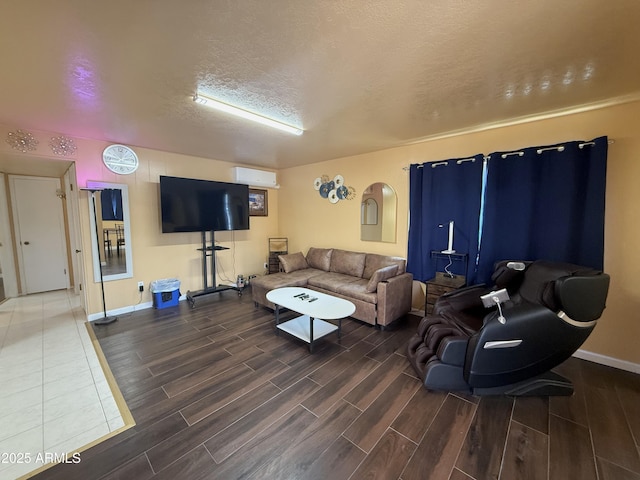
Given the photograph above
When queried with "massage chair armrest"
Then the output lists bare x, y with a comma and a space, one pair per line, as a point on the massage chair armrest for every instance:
507, 274
520, 313
453, 350
532, 340
461, 299
468, 290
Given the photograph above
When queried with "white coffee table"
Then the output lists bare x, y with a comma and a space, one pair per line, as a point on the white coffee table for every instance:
314, 307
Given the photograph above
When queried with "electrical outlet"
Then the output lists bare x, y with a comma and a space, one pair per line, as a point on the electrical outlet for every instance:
141, 286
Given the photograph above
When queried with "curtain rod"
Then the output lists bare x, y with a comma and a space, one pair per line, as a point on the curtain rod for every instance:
520, 153
445, 163
559, 148
458, 162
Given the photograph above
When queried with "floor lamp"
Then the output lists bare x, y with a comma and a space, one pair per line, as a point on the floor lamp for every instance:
106, 320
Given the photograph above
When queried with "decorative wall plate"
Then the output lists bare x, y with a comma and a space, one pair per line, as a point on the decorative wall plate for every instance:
120, 159
324, 190
333, 190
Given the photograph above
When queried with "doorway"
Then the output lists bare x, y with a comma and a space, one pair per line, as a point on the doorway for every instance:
40, 233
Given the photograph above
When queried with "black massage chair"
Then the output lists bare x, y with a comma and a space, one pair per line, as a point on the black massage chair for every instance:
507, 338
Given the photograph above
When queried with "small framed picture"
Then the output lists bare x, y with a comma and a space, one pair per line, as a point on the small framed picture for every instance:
258, 206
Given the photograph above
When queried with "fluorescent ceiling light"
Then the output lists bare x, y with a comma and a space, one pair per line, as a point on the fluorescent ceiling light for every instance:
239, 112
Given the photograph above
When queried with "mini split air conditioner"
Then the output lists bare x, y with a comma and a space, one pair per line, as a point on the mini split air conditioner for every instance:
255, 178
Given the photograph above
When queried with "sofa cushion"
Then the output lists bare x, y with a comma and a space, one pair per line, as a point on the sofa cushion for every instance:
331, 281
305, 274
375, 262
292, 262
279, 280
358, 290
299, 278
348, 263
380, 275
319, 258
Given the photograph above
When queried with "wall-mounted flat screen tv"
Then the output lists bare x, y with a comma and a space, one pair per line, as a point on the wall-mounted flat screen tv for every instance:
190, 205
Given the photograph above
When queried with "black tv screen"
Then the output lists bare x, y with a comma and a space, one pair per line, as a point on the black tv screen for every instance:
190, 205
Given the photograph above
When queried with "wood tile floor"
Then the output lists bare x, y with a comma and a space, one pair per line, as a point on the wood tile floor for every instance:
217, 395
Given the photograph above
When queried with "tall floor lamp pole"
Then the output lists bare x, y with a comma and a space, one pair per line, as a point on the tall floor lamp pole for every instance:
106, 320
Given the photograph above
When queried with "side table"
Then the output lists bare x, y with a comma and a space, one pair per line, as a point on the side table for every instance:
277, 246
439, 285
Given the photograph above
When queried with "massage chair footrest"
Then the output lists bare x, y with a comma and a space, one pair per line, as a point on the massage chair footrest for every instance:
442, 376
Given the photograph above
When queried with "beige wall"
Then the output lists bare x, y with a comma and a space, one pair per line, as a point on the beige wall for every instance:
309, 220
157, 255
174, 255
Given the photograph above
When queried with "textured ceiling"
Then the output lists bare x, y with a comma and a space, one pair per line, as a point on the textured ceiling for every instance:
357, 75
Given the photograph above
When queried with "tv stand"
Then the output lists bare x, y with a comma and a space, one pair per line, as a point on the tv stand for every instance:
209, 251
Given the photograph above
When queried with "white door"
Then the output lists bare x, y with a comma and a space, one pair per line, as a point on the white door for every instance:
39, 226
9, 279
75, 237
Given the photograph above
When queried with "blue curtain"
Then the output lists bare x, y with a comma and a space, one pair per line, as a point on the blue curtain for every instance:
545, 203
441, 192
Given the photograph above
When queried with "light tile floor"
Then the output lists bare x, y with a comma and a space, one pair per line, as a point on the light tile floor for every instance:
54, 396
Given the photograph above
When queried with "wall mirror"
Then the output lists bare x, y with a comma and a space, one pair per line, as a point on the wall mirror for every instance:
378, 213
114, 231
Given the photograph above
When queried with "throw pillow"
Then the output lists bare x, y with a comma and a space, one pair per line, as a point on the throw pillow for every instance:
292, 262
381, 275
319, 258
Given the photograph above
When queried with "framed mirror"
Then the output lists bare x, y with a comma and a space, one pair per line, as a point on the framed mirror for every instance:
114, 230
378, 213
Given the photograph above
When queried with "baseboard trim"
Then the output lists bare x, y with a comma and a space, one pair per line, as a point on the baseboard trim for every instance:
608, 361
124, 310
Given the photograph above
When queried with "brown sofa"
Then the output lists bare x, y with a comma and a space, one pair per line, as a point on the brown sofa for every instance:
378, 285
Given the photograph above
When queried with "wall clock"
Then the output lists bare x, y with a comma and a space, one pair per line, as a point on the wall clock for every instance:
120, 159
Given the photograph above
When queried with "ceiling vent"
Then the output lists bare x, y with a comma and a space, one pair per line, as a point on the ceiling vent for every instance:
255, 178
